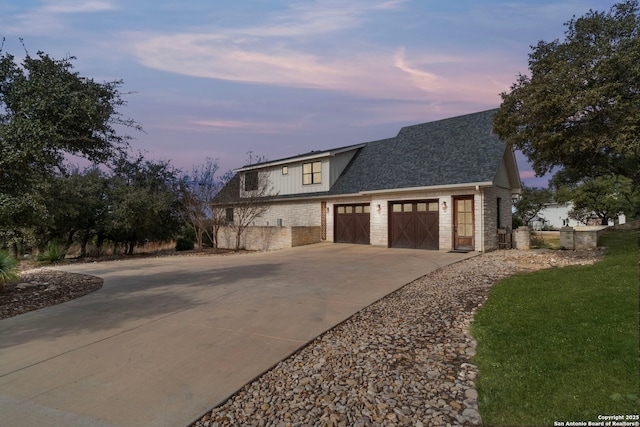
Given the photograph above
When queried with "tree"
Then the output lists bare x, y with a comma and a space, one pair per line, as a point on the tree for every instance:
48, 112
603, 197
198, 191
143, 202
244, 198
580, 106
531, 202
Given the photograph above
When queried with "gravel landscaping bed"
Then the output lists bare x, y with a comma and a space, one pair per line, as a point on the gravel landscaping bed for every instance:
39, 288
403, 361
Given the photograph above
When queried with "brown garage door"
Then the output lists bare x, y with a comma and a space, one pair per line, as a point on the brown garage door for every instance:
352, 223
414, 224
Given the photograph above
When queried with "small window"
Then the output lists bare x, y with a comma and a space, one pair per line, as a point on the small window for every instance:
285, 170
349, 209
311, 173
408, 207
358, 209
499, 211
251, 181
422, 207
367, 209
397, 207
433, 207
229, 215
340, 209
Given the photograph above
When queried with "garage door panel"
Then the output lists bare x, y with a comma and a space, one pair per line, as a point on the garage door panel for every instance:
352, 224
414, 225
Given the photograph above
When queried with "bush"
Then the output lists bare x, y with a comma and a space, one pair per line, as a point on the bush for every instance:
8, 268
52, 255
184, 244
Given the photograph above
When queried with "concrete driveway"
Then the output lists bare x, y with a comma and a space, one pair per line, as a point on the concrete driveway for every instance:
166, 339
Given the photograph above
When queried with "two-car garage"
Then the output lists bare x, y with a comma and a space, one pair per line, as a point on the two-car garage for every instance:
412, 224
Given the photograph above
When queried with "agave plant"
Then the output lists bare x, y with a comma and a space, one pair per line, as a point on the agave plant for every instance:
8, 268
52, 255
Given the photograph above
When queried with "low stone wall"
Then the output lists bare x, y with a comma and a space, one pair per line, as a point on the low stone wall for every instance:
631, 225
269, 238
305, 235
580, 238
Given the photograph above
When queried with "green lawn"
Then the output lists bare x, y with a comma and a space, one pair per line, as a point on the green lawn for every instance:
562, 344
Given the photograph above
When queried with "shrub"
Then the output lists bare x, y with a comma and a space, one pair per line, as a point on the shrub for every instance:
8, 268
184, 244
52, 255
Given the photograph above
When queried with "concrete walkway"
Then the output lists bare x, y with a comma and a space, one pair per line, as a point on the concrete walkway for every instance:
166, 339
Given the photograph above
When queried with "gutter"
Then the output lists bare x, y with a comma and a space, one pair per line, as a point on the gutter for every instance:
430, 188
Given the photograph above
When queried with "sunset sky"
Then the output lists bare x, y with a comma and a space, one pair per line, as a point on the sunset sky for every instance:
276, 78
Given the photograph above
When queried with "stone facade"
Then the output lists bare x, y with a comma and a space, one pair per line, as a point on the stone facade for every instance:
265, 238
294, 223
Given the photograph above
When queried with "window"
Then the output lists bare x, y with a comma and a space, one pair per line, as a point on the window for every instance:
229, 215
499, 209
312, 173
251, 181
285, 170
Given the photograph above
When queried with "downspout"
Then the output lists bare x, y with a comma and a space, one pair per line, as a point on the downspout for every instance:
482, 227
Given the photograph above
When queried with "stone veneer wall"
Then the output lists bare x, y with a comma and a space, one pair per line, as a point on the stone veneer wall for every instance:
490, 215
291, 214
259, 238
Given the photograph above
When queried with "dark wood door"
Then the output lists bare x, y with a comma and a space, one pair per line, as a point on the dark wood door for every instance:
352, 224
463, 228
414, 224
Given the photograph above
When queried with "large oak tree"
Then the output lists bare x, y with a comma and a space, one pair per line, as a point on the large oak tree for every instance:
47, 113
579, 107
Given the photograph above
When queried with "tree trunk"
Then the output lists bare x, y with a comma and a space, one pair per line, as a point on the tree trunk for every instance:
13, 249
130, 248
83, 243
70, 239
238, 235
99, 243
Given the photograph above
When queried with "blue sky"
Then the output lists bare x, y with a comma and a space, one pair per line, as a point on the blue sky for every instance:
278, 78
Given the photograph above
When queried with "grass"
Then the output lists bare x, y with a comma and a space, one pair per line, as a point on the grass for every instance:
562, 344
545, 240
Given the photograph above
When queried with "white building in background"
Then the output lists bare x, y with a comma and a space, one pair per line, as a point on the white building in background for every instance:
556, 215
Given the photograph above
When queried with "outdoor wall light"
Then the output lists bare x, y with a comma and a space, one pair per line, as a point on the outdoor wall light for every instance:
327, 210
378, 208
444, 206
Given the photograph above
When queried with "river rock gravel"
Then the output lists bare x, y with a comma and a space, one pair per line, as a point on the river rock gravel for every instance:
403, 361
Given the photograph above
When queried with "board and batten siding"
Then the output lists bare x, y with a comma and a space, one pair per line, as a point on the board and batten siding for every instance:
291, 182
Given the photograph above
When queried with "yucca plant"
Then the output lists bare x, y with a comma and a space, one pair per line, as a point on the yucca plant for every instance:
8, 268
52, 255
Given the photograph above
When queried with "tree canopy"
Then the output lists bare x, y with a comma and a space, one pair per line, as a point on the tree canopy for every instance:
579, 109
48, 112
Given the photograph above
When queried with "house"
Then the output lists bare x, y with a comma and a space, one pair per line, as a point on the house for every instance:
556, 215
442, 185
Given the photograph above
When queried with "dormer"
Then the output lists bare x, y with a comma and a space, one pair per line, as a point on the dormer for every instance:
309, 173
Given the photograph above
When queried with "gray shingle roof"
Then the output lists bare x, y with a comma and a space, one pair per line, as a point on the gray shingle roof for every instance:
451, 151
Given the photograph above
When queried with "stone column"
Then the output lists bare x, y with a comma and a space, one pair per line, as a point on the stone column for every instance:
567, 238
522, 238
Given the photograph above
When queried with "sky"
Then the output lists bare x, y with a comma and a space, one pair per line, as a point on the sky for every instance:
230, 80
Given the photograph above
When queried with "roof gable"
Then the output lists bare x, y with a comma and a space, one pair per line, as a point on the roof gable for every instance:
446, 152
